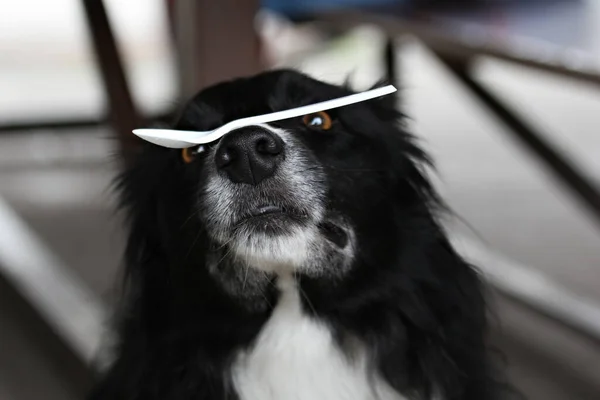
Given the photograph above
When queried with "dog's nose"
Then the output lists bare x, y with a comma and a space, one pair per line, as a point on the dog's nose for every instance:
249, 155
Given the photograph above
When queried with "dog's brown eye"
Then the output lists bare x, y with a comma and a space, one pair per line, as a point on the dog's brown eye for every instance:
319, 120
189, 154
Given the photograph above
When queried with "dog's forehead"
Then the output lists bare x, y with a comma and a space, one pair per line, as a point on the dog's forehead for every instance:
246, 97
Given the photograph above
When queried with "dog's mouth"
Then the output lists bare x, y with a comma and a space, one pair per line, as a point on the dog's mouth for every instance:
266, 210
272, 217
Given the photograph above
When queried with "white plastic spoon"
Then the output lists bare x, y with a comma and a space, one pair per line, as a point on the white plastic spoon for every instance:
181, 139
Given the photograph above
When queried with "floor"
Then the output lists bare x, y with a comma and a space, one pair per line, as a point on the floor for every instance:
60, 185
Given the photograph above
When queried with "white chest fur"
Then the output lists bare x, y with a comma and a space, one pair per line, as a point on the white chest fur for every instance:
295, 358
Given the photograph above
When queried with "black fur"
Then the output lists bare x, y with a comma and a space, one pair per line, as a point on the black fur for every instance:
415, 303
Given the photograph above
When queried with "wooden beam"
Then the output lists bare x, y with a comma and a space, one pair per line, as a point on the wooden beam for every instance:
123, 113
216, 41
63, 301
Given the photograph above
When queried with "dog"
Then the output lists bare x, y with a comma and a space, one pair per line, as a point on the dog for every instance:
300, 259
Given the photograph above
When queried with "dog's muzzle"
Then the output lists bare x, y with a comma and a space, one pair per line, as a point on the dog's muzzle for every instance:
261, 179
264, 204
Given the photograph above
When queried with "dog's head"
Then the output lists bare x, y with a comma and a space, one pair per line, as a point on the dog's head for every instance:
336, 199
306, 195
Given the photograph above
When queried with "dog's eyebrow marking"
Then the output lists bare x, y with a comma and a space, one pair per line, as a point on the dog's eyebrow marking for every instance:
181, 139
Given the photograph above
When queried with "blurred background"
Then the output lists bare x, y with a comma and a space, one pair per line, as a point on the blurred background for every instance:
505, 95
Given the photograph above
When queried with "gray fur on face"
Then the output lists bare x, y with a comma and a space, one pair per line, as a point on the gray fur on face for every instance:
251, 252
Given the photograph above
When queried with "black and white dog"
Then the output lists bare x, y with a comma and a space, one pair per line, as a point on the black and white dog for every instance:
300, 259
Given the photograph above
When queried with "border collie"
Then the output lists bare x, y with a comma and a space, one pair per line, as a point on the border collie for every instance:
301, 259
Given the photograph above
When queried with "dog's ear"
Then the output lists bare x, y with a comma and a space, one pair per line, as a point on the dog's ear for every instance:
385, 107
391, 101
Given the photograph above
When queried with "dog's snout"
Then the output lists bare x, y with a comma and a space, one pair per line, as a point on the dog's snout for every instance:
249, 155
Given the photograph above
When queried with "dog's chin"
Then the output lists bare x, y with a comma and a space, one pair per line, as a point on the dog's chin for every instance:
276, 243
280, 244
